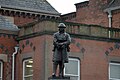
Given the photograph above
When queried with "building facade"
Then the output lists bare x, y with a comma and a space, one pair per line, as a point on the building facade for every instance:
94, 50
105, 13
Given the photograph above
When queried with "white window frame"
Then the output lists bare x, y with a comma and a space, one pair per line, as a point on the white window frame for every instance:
1, 70
74, 59
24, 69
109, 70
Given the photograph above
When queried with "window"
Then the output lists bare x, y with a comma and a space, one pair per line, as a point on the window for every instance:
72, 69
28, 69
114, 71
1, 70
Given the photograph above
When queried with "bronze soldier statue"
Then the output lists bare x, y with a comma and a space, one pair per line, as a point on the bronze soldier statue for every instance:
61, 44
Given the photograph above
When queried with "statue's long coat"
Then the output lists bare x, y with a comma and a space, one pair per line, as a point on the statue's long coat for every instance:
61, 54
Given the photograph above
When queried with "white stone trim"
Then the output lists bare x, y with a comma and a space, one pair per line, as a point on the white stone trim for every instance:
3, 57
110, 72
1, 70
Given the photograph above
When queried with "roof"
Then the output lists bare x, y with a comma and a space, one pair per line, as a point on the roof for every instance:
82, 4
41, 6
113, 5
5, 24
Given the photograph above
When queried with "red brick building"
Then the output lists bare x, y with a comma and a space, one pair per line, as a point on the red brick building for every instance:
95, 46
104, 13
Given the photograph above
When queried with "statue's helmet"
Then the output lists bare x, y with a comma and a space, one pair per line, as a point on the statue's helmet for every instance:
61, 25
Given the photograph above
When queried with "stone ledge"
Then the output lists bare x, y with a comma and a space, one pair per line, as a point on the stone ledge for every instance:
58, 78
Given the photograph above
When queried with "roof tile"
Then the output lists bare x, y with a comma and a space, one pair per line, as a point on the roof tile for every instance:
5, 24
31, 5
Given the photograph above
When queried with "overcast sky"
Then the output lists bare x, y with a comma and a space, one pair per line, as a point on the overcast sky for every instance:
65, 6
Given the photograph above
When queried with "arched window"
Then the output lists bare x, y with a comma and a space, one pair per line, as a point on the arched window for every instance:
28, 69
72, 69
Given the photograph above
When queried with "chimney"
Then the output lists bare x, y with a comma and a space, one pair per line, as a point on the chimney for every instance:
98, 4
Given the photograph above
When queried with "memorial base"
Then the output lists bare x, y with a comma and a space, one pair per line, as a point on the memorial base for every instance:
59, 78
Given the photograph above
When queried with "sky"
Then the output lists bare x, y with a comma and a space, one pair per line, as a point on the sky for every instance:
65, 6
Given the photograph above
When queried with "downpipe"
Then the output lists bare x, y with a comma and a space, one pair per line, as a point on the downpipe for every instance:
13, 61
110, 21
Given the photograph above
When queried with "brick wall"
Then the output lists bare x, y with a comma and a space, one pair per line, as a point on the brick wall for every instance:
116, 19
93, 13
32, 48
94, 60
94, 52
7, 44
22, 20
19, 20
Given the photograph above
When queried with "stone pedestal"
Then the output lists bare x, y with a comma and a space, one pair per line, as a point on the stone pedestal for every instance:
58, 78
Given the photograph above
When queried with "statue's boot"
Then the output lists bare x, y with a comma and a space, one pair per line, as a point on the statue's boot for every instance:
53, 75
